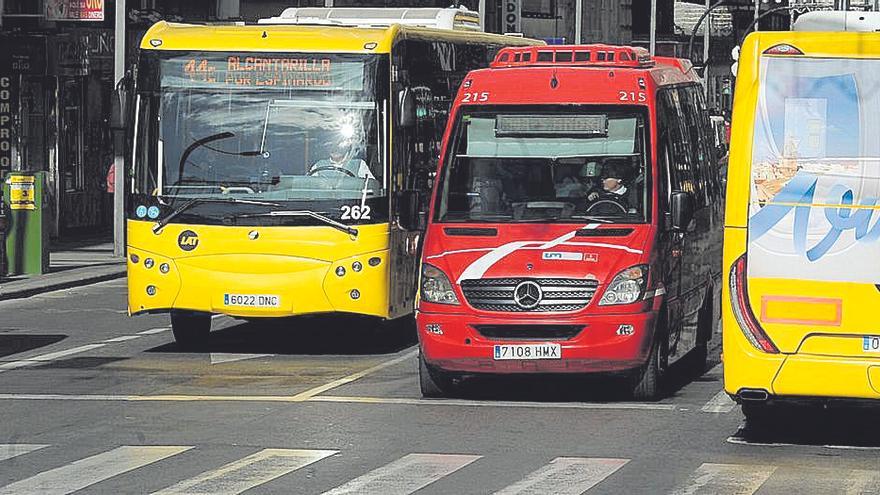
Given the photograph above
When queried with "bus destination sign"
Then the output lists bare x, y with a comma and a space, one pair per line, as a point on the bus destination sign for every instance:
245, 71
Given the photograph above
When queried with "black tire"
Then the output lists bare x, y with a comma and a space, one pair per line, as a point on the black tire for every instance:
646, 383
700, 354
434, 382
190, 328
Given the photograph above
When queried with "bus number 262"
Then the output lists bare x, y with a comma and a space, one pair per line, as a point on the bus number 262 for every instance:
355, 212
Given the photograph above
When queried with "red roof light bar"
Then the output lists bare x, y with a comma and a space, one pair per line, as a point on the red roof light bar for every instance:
573, 55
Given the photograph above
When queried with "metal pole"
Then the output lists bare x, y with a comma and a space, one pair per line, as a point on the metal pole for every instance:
757, 13
578, 21
118, 160
481, 8
653, 44
706, 29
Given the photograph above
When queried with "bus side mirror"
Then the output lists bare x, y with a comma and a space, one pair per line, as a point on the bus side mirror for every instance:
407, 106
682, 206
120, 104
408, 207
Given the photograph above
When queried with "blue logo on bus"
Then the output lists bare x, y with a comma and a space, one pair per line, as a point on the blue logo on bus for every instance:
141, 211
153, 212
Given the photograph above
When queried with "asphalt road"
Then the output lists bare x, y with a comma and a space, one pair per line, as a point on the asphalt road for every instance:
95, 401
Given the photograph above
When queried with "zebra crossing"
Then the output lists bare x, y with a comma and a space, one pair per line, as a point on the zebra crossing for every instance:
412, 472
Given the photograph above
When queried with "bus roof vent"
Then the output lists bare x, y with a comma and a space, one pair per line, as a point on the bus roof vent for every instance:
460, 19
573, 55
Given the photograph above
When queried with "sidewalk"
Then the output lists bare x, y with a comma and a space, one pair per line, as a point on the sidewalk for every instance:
71, 264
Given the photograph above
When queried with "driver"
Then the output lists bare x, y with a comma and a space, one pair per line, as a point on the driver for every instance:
613, 188
341, 159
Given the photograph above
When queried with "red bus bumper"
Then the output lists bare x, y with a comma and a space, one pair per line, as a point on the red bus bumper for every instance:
466, 343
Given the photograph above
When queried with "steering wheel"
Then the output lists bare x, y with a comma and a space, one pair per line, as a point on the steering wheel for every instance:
609, 202
331, 168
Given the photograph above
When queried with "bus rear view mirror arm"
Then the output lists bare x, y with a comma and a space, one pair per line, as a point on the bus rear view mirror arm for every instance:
682, 209
407, 106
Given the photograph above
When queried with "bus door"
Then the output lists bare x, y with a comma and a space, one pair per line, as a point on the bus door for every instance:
412, 159
670, 151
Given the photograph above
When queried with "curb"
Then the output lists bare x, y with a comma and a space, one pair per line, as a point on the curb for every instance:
63, 280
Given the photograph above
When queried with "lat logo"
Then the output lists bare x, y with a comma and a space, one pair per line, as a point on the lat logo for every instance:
188, 240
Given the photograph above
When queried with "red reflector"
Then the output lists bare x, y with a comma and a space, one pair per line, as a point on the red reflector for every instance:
783, 49
742, 310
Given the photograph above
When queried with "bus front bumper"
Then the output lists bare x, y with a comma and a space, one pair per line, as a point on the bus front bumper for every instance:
257, 285
607, 343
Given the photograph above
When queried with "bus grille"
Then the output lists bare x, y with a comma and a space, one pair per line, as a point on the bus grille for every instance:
557, 294
529, 332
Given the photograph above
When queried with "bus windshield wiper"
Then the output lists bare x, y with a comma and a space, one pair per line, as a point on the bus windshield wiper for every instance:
306, 213
195, 201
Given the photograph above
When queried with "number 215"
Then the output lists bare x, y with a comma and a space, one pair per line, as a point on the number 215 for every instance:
633, 96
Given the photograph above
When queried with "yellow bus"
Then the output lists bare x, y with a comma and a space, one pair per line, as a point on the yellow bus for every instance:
802, 226
282, 169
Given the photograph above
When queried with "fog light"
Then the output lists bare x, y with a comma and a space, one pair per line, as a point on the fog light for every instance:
357, 266
151, 290
135, 258
626, 330
374, 261
148, 263
355, 294
434, 328
340, 271
164, 268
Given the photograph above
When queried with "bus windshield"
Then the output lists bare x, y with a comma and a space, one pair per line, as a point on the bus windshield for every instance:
548, 164
276, 127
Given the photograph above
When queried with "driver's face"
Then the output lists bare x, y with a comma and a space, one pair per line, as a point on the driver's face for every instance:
338, 154
610, 184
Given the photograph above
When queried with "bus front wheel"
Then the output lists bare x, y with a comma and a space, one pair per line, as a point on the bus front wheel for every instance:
190, 328
433, 382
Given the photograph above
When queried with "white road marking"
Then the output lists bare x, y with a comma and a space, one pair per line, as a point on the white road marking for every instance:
406, 475
42, 358
720, 403
741, 441
566, 476
725, 479
308, 394
647, 406
224, 357
153, 331
10, 450
651, 406
86, 472
247, 473
124, 338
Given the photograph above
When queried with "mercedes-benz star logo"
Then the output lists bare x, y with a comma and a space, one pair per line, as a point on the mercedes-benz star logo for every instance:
527, 295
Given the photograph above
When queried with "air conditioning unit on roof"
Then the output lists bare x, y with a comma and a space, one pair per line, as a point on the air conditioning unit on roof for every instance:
460, 19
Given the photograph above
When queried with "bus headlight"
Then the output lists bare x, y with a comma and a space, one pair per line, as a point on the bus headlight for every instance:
626, 287
436, 287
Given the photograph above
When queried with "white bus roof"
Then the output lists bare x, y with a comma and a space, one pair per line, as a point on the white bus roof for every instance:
837, 21
460, 19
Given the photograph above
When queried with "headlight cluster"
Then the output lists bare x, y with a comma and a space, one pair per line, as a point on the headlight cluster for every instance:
626, 287
436, 287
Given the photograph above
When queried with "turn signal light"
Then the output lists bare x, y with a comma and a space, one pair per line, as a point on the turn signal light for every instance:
742, 310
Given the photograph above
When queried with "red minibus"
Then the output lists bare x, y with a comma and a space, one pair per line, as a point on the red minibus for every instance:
575, 224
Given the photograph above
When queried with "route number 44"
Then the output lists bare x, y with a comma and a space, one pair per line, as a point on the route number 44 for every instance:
475, 97
355, 212
632, 96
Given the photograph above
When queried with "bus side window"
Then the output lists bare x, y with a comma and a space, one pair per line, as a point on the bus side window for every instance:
664, 151
681, 177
